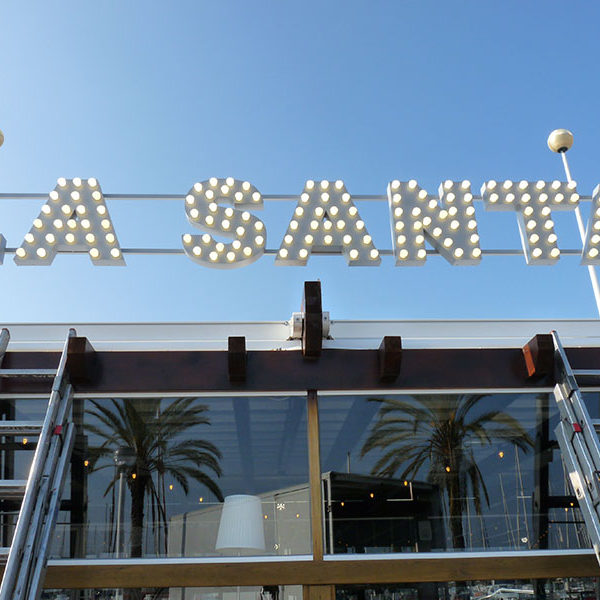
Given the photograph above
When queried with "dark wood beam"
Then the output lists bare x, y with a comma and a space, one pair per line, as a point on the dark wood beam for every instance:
236, 358
268, 371
312, 328
81, 360
539, 356
390, 358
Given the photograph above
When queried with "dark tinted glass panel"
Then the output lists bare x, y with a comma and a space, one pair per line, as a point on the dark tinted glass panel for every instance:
574, 588
223, 476
219, 476
447, 472
273, 592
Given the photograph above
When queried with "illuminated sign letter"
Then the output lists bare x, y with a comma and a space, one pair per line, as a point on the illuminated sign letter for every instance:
326, 219
447, 223
533, 202
2, 248
203, 211
590, 253
74, 219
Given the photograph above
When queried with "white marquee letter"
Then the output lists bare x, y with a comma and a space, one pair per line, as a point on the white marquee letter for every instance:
589, 255
447, 223
326, 219
75, 218
533, 201
248, 232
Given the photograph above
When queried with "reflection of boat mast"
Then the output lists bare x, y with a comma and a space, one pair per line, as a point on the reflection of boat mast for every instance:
483, 531
468, 500
558, 528
521, 493
506, 517
500, 592
517, 516
570, 514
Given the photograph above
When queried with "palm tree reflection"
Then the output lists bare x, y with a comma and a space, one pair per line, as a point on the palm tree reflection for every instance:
439, 433
154, 429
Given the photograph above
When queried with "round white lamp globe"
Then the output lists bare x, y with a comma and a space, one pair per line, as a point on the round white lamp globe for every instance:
560, 140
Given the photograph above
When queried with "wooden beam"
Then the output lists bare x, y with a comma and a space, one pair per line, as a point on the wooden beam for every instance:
190, 371
314, 475
81, 360
539, 356
312, 328
318, 592
236, 358
188, 573
390, 358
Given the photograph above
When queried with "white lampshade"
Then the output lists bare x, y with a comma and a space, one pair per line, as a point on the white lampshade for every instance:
241, 526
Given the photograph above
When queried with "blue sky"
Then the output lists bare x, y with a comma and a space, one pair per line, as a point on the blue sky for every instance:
151, 97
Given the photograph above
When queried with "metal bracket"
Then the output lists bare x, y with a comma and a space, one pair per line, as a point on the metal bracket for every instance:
312, 324
297, 320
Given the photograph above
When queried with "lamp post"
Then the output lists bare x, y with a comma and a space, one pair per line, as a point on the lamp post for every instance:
559, 141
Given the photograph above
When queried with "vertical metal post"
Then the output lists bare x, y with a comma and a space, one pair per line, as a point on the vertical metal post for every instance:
591, 269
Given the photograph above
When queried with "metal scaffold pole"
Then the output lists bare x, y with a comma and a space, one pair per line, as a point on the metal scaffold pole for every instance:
560, 140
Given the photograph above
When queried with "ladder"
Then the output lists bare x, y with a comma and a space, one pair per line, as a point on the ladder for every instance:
27, 556
577, 436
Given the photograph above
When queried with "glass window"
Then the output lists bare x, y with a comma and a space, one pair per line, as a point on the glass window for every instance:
441, 472
572, 588
189, 477
269, 592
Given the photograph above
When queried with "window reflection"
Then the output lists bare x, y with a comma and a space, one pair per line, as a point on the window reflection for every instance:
188, 457
270, 592
572, 588
472, 459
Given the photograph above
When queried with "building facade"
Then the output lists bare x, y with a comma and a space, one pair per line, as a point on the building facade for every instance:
309, 459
